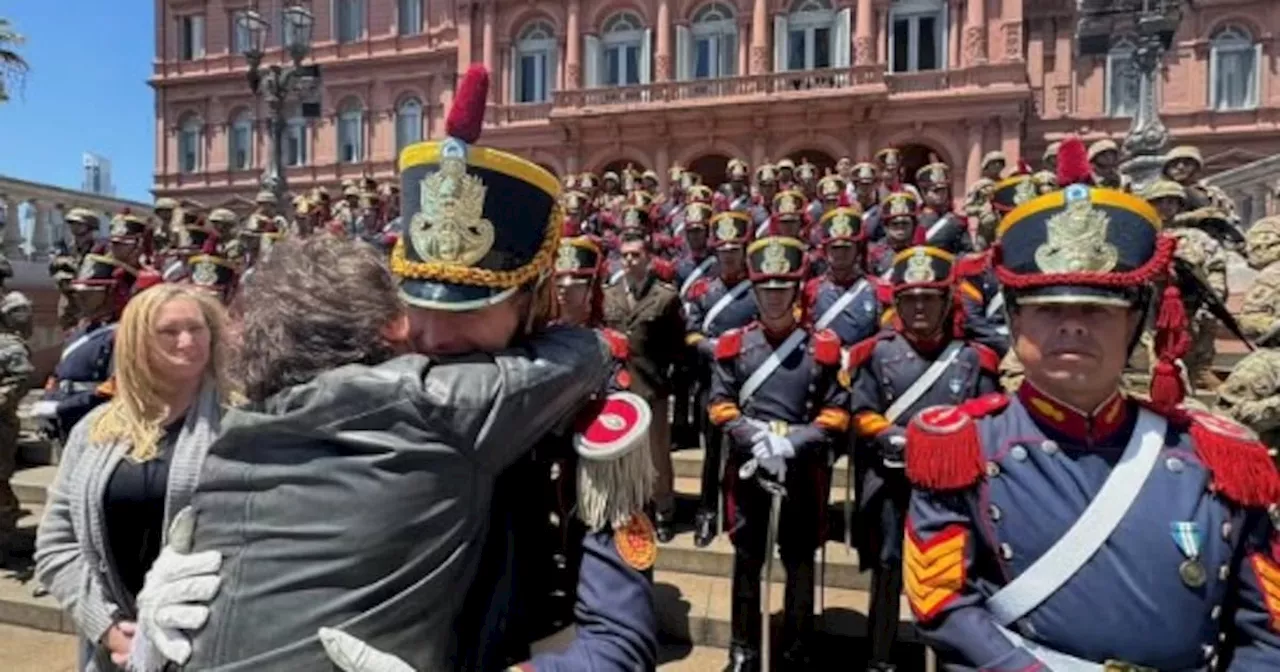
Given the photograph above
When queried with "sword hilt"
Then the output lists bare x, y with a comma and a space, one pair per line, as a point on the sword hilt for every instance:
749, 470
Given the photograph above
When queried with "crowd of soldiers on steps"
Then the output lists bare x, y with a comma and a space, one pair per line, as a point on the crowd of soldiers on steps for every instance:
900, 305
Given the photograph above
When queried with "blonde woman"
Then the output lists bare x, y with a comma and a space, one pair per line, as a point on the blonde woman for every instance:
132, 463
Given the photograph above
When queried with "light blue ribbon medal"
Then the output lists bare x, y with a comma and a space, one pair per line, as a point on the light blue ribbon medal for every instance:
1187, 537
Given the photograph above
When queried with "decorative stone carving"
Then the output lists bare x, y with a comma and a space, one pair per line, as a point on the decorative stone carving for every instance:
759, 59
975, 45
864, 50
1013, 41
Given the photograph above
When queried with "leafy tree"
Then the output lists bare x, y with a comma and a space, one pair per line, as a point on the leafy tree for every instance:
12, 66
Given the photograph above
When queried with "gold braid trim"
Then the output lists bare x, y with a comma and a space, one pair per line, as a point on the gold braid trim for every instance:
483, 277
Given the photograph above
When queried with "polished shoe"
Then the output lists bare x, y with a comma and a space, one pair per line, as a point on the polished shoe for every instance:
742, 659
704, 529
662, 525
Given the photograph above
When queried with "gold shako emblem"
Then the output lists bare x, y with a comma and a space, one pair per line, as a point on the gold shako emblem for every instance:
693, 213
1025, 191
727, 229
919, 269
774, 261
119, 227
830, 187
787, 205
632, 218
1076, 238
567, 257
205, 273
450, 227
840, 226
899, 206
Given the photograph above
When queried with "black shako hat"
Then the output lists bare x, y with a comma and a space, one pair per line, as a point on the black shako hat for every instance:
577, 260
922, 267
776, 261
480, 223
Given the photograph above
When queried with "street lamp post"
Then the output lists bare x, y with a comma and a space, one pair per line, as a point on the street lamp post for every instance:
1151, 25
276, 84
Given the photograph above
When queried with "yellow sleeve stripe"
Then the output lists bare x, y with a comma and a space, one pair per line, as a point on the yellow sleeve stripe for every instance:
869, 423
887, 316
833, 419
693, 338
721, 412
933, 571
972, 292
1268, 575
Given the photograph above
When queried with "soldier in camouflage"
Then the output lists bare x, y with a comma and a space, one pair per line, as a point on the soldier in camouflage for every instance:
15, 378
1251, 394
1104, 157
1183, 165
83, 225
1260, 312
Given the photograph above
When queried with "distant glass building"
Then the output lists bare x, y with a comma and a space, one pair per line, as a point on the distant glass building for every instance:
97, 175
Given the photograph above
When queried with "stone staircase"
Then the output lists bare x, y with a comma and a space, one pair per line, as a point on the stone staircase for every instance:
692, 585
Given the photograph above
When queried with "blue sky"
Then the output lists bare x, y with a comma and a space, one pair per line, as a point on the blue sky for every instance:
86, 92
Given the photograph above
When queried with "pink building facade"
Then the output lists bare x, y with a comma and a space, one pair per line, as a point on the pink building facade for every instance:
596, 84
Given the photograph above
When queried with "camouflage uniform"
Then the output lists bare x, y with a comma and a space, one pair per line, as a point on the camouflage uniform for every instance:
1251, 394
15, 375
1260, 311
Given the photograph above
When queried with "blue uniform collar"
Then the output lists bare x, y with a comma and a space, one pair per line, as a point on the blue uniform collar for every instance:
1099, 427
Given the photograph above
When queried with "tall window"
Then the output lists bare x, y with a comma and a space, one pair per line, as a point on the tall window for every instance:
350, 131
240, 35
811, 27
348, 17
191, 37
1123, 82
190, 143
240, 142
408, 123
409, 16
624, 50
917, 35
715, 42
534, 63
296, 135
1234, 61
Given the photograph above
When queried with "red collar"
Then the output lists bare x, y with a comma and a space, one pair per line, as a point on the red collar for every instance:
1072, 423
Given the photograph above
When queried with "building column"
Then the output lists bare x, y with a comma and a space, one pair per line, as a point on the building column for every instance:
864, 45
573, 48
758, 150
975, 33
39, 243
662, 164
973, 166
760, 38
464, 39
862, 146
662, 54
955, 31
12, 240
486, 37
1011, 139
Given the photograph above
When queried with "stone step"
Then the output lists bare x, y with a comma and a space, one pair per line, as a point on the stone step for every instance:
680, 555
31, 650
687, 463
31, 484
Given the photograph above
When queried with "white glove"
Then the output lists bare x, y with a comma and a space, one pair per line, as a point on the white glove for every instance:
776, 466
353, 655
175, 598
44, 409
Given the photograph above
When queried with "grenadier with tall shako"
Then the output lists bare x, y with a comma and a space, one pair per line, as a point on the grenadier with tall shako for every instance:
199, 237
889, 167
735, 194
694, 261
807, 179
130, 240
611, 197
943, 228
670, 202
253, 243
776, 396
844, 298
634, 220
830, 195
766, 188
577, 221
786, 174
898, 215
922, 361
1067, 526
214, 274
713, 306
65, 264
788, 215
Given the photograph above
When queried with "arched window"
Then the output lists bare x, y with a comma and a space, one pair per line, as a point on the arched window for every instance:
350, 131
714, 45
534, 64
917, 35
408, 123
1234, 61
810, 31
240, 141
190, 143
1123, 85
626, 51
297, 136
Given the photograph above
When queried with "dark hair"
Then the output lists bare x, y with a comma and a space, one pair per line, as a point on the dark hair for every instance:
311, 305
638, 237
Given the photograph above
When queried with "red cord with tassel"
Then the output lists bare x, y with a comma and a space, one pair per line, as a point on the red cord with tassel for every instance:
1171, 342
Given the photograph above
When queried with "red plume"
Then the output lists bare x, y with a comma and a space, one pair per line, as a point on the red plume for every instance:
1023, 167
1073, 163
467, 115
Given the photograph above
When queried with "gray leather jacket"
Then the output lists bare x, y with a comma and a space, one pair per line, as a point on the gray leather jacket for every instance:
359, 500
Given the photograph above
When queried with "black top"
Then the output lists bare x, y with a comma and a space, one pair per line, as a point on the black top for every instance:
133, 507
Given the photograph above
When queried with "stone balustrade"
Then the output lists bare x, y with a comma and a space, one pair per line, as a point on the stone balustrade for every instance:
29, 233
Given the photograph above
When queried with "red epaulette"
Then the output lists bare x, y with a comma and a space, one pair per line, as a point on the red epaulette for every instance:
664, 269
810, 290
987, 404
972, 264
988, 359
943, 449
826, 347
729, 344
698, 288
884, 292
1242, 468
860, 352
619, 346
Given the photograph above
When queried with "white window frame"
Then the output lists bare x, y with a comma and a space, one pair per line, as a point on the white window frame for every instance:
1120, 52
1233, 39
621, 31
350, 131
191, 42
240, 128
191, 144
407, 132
409, 17
717, 23
296, 130
913, 11
809, 16
342, 32
536, 40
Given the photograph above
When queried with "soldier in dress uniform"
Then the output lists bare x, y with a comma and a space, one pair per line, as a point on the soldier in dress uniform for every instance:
265, 216
830, 195
213, 274
1066, 526
1260, 312
65, 264
889, 169
775, 395
788, 214
786, 174
1104, 156
844, 298
712, 307
198, 237
766, 187
942, 227
735, 194
898, 215
923, 360
15, 380
694, 261
807, 179
130, 239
